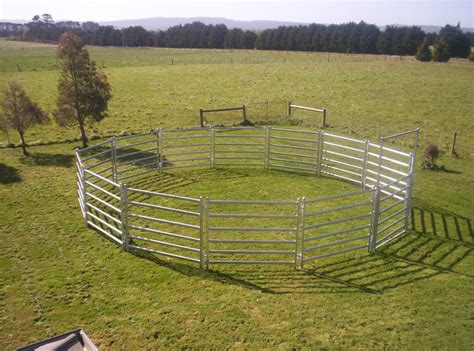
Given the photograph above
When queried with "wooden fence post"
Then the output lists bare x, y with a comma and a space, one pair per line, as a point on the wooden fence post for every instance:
453, 144
201, 117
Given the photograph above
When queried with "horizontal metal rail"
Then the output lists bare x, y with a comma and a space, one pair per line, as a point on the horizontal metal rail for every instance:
188, 153
239, 164
186, 137
388, 168
251, 229
391, 225
293, 147
162, 232
291, 161
394, 193
325, 151
253, 202
272, 252
383, 210
342, 231
385, 158
241, 241
344, 138
391, 233
393, 215
164, 253
137, 160
146, 165
165, 221
342, 163
188, 159
294, 131
387, 239
164, 208
102, 178
336, 252
292, 167
340, 208
335, 221
341, 170
345, 147
238, 144
184, 146
239, 151
139, 135
102, 212
95, 155
164, 243
143, 142
335, 175
237, 158
93, 146
108, 225
333, 197
98, 163
250, 262
239, 136
116, 197
171, 196
116, 209
137, 152
293, 155
137, 174
400, 134
294, 139
113, 237
242, 215
189, 166
337, 242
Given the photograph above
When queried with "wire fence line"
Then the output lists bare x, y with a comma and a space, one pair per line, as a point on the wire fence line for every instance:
225, 231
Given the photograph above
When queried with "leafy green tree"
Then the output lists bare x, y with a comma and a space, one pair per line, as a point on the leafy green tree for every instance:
84, 92
20, 112
457, 41
440, 51
423, 53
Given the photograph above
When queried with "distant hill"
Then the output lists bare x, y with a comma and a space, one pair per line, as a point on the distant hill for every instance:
162, 23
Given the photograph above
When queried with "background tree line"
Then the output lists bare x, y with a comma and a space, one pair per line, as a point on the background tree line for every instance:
343, 38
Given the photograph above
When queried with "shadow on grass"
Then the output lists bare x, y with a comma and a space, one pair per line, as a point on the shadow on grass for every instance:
438, 243
9, 175
51, 160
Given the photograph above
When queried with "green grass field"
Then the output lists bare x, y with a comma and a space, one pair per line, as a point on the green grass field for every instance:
57, 275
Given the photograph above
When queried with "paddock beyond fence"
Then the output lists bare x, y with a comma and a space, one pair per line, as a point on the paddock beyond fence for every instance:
225, 231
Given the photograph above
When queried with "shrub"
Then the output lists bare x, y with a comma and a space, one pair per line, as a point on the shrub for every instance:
423, 53
431, 153
440, 51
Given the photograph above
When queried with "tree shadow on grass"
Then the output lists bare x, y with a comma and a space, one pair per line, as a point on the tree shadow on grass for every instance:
9, 175
50, 160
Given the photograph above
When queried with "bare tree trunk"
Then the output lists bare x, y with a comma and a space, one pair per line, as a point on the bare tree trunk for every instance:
23, 144
83, 135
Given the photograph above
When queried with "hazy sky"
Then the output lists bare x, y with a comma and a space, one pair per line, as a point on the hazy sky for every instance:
437, 12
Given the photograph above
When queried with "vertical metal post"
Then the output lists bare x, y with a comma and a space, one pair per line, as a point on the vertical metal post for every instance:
288, 110
298, 204
364, 165
409, 191
201, 117
374, 221
324, 118
244, 111
201, 232
124, 216
303, 215
114, 159
84, 193
266, 154
320, 151
213, 147
206, 215
379, 167
160, 149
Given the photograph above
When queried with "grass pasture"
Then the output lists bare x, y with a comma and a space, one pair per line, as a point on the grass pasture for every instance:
57, 275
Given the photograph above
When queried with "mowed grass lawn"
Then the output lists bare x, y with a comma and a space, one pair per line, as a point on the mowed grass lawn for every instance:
57, 275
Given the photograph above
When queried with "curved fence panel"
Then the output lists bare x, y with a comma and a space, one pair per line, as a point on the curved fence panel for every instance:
211, 231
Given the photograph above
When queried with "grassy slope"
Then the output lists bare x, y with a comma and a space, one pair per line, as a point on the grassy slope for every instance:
57, 275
